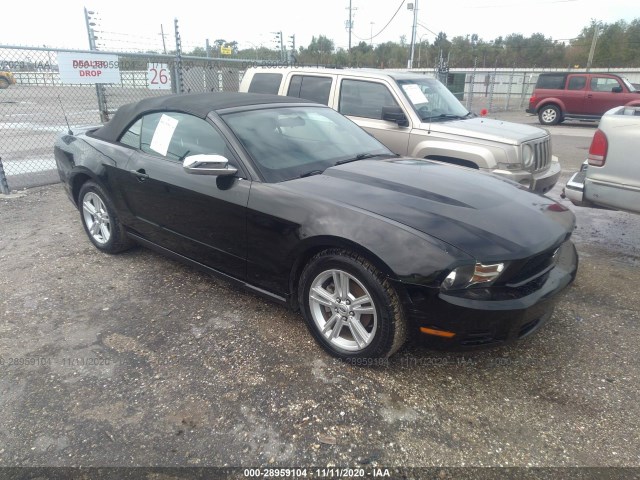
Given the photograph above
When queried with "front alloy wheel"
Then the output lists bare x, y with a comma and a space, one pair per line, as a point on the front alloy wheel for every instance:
350, 307
343, 310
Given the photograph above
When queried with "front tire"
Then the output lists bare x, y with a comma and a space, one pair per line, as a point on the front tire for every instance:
350, 307
4, 83
549, 115
100, 220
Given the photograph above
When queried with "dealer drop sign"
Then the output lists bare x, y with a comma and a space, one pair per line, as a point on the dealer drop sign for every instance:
88, 68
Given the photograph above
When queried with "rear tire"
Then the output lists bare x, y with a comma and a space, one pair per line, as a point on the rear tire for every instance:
350, 307
4, 83
549, 115
100, 220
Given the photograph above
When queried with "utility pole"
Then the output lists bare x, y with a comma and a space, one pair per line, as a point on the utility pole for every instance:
208, 48
292, 53
280, 42
349, 22
164, 45
596, 32
371, 34
413, 30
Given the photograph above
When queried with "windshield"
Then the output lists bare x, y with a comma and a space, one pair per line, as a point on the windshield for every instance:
291, 142
629, 85
431, 99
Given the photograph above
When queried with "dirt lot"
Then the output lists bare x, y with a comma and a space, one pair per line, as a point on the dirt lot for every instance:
136, 360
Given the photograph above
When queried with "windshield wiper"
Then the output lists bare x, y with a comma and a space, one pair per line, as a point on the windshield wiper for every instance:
363, 156
312, 172
444, 116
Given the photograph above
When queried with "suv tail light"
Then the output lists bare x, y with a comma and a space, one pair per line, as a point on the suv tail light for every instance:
598, 149
532, 100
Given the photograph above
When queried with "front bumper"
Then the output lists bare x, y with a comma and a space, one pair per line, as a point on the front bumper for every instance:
546, 180
539, 182
483, 323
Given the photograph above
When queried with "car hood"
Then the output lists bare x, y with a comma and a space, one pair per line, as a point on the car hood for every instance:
488, 217
487, 129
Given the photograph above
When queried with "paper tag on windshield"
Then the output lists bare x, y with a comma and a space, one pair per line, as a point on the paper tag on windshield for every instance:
163, 133
415, 94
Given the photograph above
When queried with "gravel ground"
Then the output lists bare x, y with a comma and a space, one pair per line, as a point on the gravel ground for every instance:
134, 360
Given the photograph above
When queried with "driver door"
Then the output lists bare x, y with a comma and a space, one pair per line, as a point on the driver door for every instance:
202, 217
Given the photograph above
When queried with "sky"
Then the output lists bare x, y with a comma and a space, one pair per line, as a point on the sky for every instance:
135, 24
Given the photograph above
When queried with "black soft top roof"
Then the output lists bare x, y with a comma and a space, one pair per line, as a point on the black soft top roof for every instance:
197, 104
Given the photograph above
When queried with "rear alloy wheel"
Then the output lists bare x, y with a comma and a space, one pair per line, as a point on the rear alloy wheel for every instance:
4, 83
351, 308
100, 220
549, 115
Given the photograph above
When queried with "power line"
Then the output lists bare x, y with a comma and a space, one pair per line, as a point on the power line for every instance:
388, 23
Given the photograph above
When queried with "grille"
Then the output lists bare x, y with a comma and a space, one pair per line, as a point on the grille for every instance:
541, 153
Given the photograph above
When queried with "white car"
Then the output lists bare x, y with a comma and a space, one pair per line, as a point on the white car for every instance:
610, 177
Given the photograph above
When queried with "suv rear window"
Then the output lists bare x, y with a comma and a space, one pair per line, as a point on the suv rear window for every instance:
551, 81
310, 88
265, 83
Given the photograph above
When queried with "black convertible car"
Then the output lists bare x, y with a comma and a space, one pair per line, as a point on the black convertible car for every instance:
295, 202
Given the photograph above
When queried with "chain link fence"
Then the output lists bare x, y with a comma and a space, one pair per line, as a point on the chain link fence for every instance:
43, 102
489, 90
501, 89
40, 104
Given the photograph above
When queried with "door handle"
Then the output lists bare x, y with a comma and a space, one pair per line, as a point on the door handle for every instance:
141, 174
589, 96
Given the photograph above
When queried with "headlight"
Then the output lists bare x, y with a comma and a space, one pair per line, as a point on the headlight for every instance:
527, 155
470, 275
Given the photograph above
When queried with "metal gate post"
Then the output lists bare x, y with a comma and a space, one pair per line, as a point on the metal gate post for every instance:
513, 71
178, 62
472, 84
4, 186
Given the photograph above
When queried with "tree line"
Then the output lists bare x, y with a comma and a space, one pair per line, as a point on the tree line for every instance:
618, 45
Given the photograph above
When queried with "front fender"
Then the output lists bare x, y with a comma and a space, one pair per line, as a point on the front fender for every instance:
477, 154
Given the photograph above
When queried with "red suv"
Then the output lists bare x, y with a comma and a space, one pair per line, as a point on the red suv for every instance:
583, 96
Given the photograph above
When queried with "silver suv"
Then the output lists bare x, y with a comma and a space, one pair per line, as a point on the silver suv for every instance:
417, 116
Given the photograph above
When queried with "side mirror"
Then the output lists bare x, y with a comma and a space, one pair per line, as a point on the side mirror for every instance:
617, 89
208, 165
395, 114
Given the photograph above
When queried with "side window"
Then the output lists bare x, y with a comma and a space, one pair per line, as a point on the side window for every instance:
603, 84
577, 82
132, 136
551, 81
178, 135
311, 88
364, 99
265, 83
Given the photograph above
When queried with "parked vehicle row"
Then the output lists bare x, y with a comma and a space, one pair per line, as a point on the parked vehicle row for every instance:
294, 201
419, 117
559, 96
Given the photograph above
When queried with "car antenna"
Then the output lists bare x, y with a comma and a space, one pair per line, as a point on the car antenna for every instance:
65, 116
